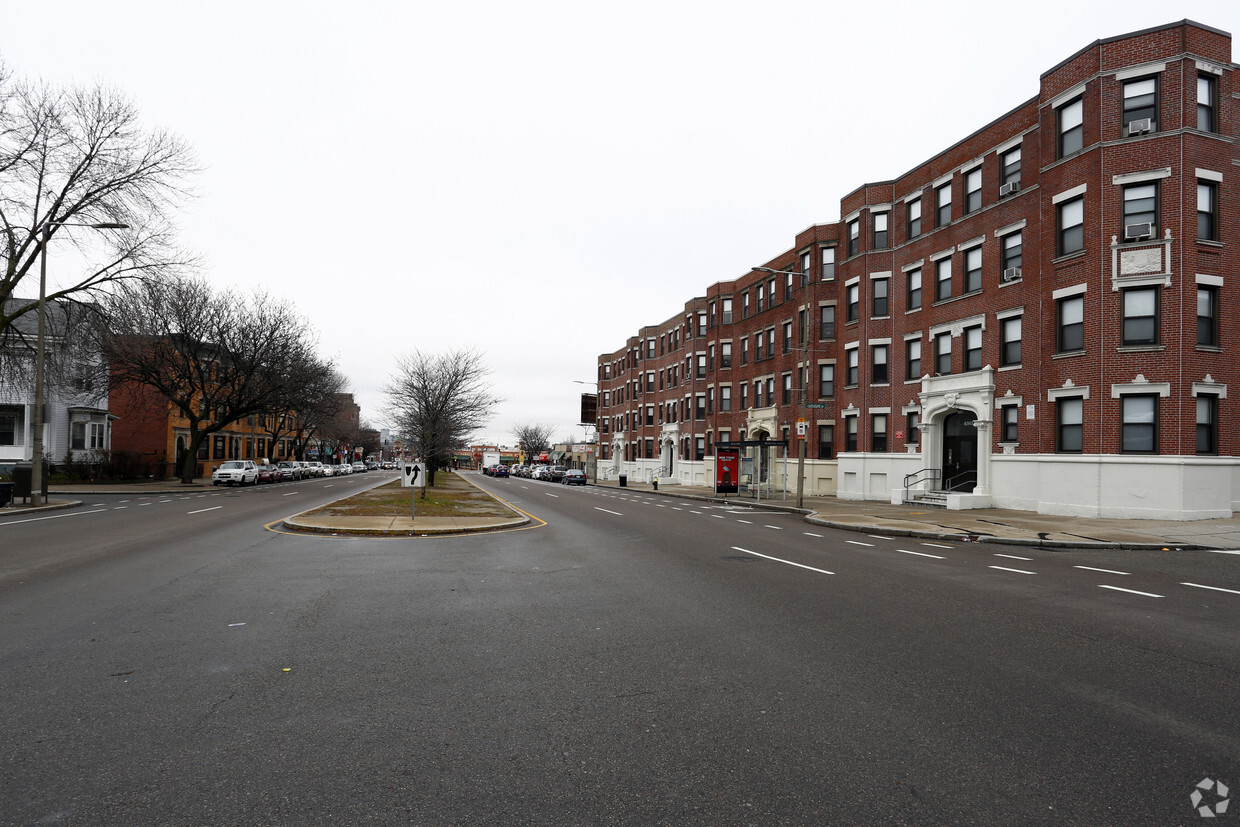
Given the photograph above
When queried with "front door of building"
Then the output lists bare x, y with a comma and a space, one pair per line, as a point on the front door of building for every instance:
959, 452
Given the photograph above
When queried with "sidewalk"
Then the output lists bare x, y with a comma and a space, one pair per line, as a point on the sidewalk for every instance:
994, 525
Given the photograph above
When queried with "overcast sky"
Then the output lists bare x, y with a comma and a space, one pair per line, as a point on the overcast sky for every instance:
541, 179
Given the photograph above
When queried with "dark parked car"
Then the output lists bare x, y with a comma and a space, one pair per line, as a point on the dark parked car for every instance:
574, 477
268, 473
500, 471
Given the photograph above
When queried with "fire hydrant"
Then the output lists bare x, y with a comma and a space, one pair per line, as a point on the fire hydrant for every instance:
654, 481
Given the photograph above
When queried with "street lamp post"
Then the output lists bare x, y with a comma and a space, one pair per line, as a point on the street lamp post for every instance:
803, 378
36, 451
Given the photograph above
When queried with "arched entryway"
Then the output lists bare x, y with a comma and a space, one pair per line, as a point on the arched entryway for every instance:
959, 452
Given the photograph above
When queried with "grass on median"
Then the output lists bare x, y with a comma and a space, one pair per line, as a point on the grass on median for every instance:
452, 496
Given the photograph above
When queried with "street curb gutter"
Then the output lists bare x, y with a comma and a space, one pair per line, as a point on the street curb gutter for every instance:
942, 536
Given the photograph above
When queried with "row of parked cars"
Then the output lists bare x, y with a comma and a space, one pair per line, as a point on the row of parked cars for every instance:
545, 473
249, 472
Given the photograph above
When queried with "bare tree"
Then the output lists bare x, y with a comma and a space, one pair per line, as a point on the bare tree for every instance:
312, 401
534, 439
208, 355
439, 401
80, 156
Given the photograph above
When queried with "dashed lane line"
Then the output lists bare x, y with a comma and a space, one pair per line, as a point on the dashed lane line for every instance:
1128, 591
781, 560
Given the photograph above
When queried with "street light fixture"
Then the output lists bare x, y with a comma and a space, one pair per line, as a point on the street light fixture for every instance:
803, 378
36, 453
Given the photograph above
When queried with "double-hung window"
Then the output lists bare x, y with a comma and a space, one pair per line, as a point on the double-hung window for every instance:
826, 381
725, 355
878, 433
828, 263
943, 279
943, 205
1011, 170
1207, 424
1207, 315
1140, 316
1071, 223
973, 270
1009, 419
1140, 106
1139, 426
973, 190
854, 237
913, 291
850, 433
943, 354
854, 301
1140, 210
1010, 247
1207, 210
725, 398
1071, 324
912, 210
879, 299
973, 348
881, 234
12, 425
851, 358
1207, 86
786, 390
1009, 341
826, 441
878, 365
787, 337
1069, 424
826, 322
912, 359
1071, 127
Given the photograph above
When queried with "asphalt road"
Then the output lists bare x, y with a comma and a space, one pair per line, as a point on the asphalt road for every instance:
634, 660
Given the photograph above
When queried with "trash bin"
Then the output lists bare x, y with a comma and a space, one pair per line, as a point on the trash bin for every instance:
6, 493
624, 481
23, 478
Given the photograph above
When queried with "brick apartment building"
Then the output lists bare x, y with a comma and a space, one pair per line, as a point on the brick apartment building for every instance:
1039, 317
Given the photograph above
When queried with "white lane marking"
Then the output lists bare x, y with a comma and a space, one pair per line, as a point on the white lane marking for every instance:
1129, 591
1014, 557
161, 502
1221, 551
859, 543
696, 512
880, 537
53, 517
806, 533
1211, 588
934, 545
120, 508
921, 554
605, 511
718, 516
1104, 571
677, 508
777, 528
781, 560
549, 494
1016, 571
205, 510
291, 493
746, 522
144, 505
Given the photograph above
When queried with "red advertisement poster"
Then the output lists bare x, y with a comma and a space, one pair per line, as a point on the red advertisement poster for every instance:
727, 470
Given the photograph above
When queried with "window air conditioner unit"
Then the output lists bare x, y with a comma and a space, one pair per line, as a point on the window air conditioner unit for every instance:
1139, 126
1009, 188
1138, 232
1011, 274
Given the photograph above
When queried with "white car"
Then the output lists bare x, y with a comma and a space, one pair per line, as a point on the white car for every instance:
235, 471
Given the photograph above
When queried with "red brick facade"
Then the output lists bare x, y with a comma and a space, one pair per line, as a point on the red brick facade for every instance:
1114, 351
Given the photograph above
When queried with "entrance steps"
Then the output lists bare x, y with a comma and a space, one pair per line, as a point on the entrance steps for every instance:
936, 499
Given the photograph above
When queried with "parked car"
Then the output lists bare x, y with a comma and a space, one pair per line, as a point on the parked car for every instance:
289, 470
359, 468
573, 477
500, 471
343, 469
317, 469
557, 473
268, 473
235, 472
543, 472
